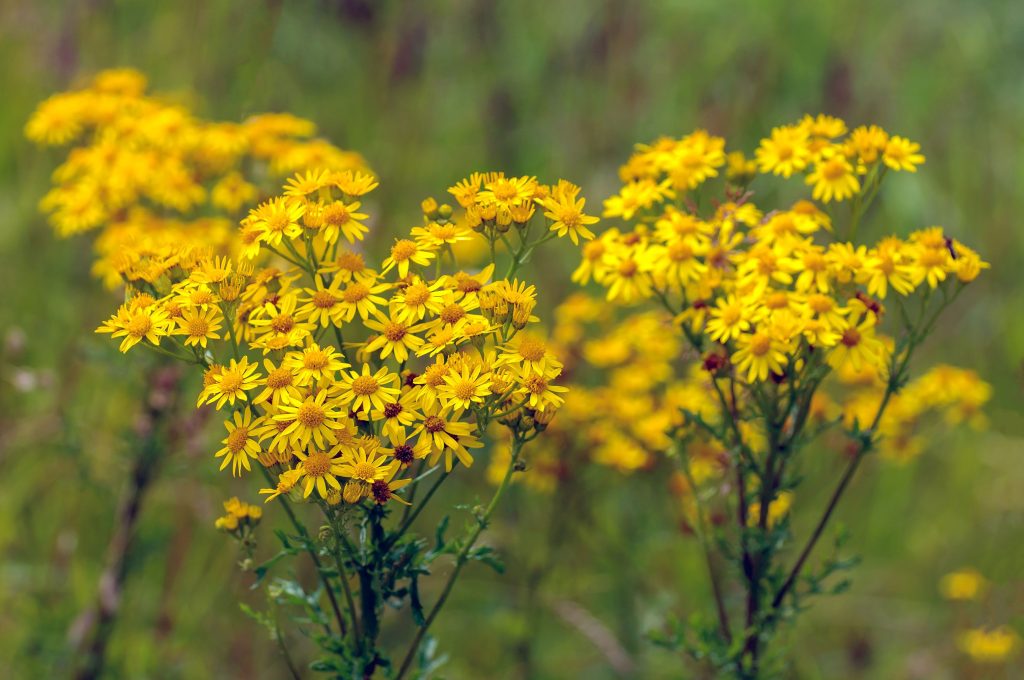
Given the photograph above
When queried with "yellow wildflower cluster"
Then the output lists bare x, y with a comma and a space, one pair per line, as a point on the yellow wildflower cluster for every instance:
956, 394
990, 645
156, 177
239, 516
340, 375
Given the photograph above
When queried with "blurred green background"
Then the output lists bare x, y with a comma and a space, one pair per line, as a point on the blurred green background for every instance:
429, 91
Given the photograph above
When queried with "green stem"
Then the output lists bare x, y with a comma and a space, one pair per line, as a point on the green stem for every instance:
461, 558
312, 553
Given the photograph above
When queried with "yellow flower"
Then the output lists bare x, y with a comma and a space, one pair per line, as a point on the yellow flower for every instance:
404, 252
135, 324
365, 391
902, 154
229, 383
313, 420
397, 337
963, 584
990, 645
344, 219
320, 469
277, 219
567, 217
463, 388
280, 385
758, 354
198, 326
786, 151
313, 364
286, 482
239, 446
833, 179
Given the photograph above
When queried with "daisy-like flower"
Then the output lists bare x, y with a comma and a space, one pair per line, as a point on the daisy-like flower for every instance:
322, 305
405, 252
858, 348
530, 352
625, 274
137, 324
396, 337
360, 297
301, 185
729, 318
277, 219
902, 154
758, 355
354, 182
319, 469
339, 218
568, 218
366, 391
541, 395
833, 178
786, 151
399, 414
347, 266
418, 298
313, 364
286, 481
199, 326
279, 387
365, 466
464, 388
403, 449
195, 295
240, 445
312, 420
444, 433
275, 324
226, 384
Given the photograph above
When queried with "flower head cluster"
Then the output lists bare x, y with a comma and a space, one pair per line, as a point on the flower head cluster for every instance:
337, 375
160, 181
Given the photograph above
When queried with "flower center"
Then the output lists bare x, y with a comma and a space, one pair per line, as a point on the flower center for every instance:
416, 295
464, 389
198, 327
452, 313
760, 344
355, 292
279, 378
311, 415
433, 424
230, 381
394, 331
282, 323
324, 299
364, 385
628, 267
531, 349
851, 337
392, 410
237, 438
139, 326
403, 250
317, 464
364, 471
404, 454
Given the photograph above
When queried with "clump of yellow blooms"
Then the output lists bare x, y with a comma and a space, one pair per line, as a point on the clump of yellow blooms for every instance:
749, 330
344, 381
163, 184
990, 645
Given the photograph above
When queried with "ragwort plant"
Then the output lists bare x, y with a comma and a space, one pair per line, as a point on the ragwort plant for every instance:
352, 392
792, 329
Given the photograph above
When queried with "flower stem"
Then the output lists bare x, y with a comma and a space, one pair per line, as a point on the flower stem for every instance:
461, 558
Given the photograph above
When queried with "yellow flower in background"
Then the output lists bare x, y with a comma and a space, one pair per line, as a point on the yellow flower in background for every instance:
963, 584
989, 646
